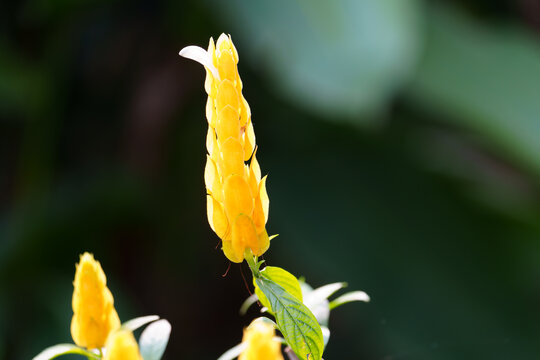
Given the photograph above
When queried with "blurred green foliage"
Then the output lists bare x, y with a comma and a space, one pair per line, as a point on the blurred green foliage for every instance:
485, 80
344, 59
401, 139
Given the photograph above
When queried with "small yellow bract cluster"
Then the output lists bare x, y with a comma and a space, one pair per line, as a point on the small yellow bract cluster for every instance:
122, 346
95, 323
94, 316
260, 342
237, 202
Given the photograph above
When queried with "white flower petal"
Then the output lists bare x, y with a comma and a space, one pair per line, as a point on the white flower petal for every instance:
201, 56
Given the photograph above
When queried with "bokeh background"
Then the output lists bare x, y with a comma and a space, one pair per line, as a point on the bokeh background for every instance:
401, 138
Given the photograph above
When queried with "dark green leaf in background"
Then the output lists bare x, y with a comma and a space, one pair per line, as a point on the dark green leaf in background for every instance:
341, 58
484, 79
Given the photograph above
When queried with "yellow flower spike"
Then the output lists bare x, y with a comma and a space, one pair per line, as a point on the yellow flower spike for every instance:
261, 344
211, 143
224, 43
230, 253
211, 115
254, 166
264, 198
231, 157
259, 219
121, 345
227, 69
249, 141
228, 123
263, 242
227, 95
253, 184
243, 234
238, 197
237, 203
94, 316
211, 179
245, 115
216, 217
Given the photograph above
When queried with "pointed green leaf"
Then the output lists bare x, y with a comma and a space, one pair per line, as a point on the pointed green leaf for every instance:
284, 279
296, 322
262, 298
64, 349
154, 339
273, 237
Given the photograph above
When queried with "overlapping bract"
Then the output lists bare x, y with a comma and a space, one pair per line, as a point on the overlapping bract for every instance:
237, 202
121, 345
261, 343
94, 316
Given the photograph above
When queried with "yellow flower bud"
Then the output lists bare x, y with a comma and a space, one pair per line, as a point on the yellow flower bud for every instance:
121, 345
94, 316
237, 200
260, 343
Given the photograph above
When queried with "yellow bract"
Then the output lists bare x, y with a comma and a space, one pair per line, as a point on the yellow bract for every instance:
237, 200
94, 316
122, 346
260, 343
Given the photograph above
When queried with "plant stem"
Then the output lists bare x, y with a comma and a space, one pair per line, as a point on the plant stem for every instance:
252, 262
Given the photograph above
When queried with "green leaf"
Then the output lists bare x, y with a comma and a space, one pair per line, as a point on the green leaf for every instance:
484, 79
154, 339
284, 279
349, 297
296, 322
262, 298
64, 349
136, 323
341, 58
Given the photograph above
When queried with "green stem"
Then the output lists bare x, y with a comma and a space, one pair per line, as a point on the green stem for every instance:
252, 262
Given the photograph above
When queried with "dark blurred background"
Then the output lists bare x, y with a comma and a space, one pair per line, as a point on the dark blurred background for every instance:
401, 138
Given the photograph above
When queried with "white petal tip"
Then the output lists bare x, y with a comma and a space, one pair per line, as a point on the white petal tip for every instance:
361, 296
201, 56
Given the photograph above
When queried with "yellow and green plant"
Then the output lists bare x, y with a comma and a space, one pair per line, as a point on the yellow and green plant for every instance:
238, 208
96, 328
237, 211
